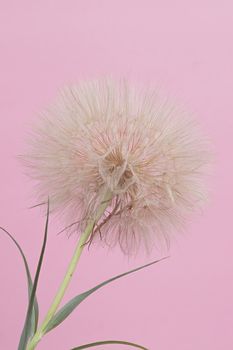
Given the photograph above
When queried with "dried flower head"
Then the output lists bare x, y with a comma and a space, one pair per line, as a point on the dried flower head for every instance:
107, 136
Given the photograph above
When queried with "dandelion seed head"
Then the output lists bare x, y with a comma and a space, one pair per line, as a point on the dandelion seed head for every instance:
108, 135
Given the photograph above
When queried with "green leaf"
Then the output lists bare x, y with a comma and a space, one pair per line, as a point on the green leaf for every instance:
35, 310
26, 329
85, 346
66, 310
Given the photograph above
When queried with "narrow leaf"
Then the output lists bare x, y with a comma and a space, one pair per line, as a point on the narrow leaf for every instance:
106, 342
66, 310
35, 310
26, 330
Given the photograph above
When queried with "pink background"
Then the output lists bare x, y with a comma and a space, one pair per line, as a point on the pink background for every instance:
184, 303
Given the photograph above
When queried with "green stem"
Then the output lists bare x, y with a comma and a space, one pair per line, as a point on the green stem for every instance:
69, 273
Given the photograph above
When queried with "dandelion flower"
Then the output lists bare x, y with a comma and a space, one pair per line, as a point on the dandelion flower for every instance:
107, 136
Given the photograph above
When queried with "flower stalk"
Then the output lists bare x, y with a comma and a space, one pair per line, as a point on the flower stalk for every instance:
70, 271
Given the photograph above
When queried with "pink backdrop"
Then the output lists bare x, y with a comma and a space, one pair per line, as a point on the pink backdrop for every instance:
184, 303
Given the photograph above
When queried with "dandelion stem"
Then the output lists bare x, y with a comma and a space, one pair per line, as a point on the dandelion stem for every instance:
69, 273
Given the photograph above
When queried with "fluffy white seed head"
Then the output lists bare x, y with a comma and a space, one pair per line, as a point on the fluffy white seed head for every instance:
107, 135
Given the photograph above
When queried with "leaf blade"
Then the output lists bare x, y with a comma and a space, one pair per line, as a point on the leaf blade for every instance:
35, 311
105, 342
69, 307
25, 333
